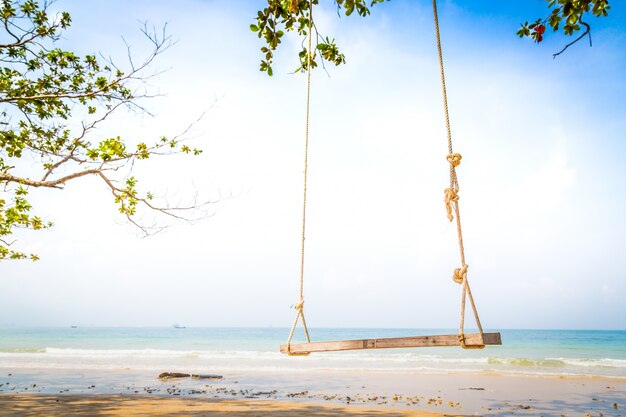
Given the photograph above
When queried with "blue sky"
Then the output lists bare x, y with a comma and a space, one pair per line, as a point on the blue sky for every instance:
542, 176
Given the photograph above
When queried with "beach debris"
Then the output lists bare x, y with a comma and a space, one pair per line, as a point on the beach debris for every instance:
453, 404
267, 393
435, 401
197, 391
301, 394
206, 376
412, 400
173, 390
169, 375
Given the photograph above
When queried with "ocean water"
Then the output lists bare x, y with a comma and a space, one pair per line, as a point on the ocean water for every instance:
250, 350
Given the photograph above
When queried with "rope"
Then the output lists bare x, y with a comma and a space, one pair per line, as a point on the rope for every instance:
445, 94
299, 307
451, 196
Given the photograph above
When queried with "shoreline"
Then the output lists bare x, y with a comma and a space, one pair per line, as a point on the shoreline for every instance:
254, 351
383, 392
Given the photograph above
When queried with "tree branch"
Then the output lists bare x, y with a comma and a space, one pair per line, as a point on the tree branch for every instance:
585, 33
58, 183
77, 95
78, 141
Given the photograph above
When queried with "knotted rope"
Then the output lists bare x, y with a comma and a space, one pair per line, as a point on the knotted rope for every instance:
460, 275
299, 306
454, 159
451, 196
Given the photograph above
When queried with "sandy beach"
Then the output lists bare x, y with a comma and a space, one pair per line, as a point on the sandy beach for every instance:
117, 405
319, 393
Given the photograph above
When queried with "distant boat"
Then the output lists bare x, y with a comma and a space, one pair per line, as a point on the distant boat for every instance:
73, 327
178, 326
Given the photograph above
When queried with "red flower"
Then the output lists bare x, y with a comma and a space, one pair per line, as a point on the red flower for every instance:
539, 30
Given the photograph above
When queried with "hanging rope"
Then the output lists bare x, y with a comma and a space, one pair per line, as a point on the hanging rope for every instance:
451, 196
299, 306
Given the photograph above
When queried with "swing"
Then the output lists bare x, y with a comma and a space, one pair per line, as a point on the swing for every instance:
466, 341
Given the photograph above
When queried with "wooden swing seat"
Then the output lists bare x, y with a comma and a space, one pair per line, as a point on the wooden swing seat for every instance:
472, 340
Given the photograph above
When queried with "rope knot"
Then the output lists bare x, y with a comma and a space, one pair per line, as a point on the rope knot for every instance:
460, 274
454, 159
451, 196
299, 306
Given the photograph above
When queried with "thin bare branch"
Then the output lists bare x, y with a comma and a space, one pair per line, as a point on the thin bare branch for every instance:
585, 33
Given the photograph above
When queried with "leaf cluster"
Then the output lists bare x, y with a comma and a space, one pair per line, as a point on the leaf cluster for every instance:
14, 215
281, 16
566, 15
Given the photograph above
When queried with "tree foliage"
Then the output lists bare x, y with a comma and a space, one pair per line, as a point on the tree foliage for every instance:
51, 101
565, 15
282, 16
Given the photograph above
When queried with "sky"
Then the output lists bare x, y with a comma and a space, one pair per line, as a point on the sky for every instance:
542, 191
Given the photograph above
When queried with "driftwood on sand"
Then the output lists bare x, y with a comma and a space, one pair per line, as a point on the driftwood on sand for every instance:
171, 375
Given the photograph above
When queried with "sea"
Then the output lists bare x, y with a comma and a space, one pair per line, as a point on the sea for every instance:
256, 350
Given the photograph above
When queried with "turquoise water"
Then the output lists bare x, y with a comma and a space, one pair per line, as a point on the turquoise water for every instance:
553, 352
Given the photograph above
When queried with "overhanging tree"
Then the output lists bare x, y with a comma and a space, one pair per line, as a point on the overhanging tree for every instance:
566, 15
294, 15
51, 101
282, 16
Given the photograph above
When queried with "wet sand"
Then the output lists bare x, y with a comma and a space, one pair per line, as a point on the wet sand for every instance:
118, 405
315, 393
